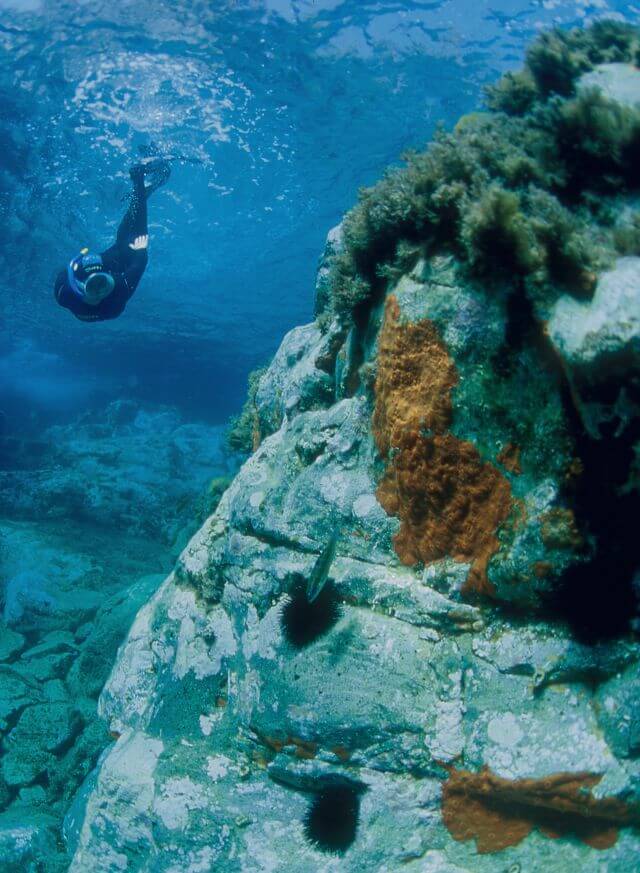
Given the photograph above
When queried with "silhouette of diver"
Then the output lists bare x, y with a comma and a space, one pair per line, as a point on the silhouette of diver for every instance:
98, 287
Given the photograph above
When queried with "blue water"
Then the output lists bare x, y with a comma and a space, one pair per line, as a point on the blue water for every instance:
282, 109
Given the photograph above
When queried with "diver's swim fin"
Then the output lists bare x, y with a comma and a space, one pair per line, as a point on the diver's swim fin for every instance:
320, 572
155, 169
152, 152
158, 174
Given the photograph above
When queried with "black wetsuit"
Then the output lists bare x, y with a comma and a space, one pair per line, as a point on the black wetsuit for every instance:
125, 264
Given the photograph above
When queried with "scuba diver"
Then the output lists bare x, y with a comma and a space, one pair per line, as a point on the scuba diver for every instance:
98, 287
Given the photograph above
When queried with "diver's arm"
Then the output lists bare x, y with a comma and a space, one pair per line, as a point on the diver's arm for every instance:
61, 291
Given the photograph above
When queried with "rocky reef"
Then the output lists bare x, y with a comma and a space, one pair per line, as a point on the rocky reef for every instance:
93, 514
455, 690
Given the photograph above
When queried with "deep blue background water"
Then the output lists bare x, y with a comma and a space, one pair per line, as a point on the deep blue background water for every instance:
287, 108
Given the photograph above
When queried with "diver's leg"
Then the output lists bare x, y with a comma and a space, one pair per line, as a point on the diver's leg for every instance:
134, 223
122, 254
118, 257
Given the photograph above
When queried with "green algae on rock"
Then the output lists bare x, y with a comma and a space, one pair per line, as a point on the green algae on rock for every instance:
511, 191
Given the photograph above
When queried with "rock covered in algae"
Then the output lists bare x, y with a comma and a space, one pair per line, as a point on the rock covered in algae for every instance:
467, 708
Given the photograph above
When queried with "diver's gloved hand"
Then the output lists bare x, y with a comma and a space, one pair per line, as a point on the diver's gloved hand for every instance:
139, 243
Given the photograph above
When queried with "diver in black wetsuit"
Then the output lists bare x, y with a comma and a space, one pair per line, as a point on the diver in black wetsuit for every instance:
98, 287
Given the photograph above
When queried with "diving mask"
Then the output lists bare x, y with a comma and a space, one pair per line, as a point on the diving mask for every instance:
88, 279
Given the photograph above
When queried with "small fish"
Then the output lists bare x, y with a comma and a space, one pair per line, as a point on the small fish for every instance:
321, 568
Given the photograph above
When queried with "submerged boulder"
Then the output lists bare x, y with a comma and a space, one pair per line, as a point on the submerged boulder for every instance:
91, 515
33, 602
599, 344
93, 664
43, 731
27, 839
10, 642
123, 468
232, 737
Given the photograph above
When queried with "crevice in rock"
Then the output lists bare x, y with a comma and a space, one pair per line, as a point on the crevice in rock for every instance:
274, 539
62, 748
43, 781
596, 597
520, 321
326, 361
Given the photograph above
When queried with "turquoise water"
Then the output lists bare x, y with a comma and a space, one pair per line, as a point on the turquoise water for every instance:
112, 446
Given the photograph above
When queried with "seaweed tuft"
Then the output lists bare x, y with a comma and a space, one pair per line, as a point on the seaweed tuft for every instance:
497, 237
243, 433
555, 60
526, 190
598, 140
515, 93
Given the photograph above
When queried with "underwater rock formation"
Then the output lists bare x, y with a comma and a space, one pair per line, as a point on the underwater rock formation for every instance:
472, 705
88, 529
106, 469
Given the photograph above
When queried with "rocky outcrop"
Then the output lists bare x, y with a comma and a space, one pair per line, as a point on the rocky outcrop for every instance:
89, 527
450, 695
229, 735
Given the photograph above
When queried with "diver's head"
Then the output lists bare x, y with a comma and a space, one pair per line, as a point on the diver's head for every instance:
98, 286
89, 279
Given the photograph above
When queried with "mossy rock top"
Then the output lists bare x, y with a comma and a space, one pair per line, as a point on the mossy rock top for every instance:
619, 82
